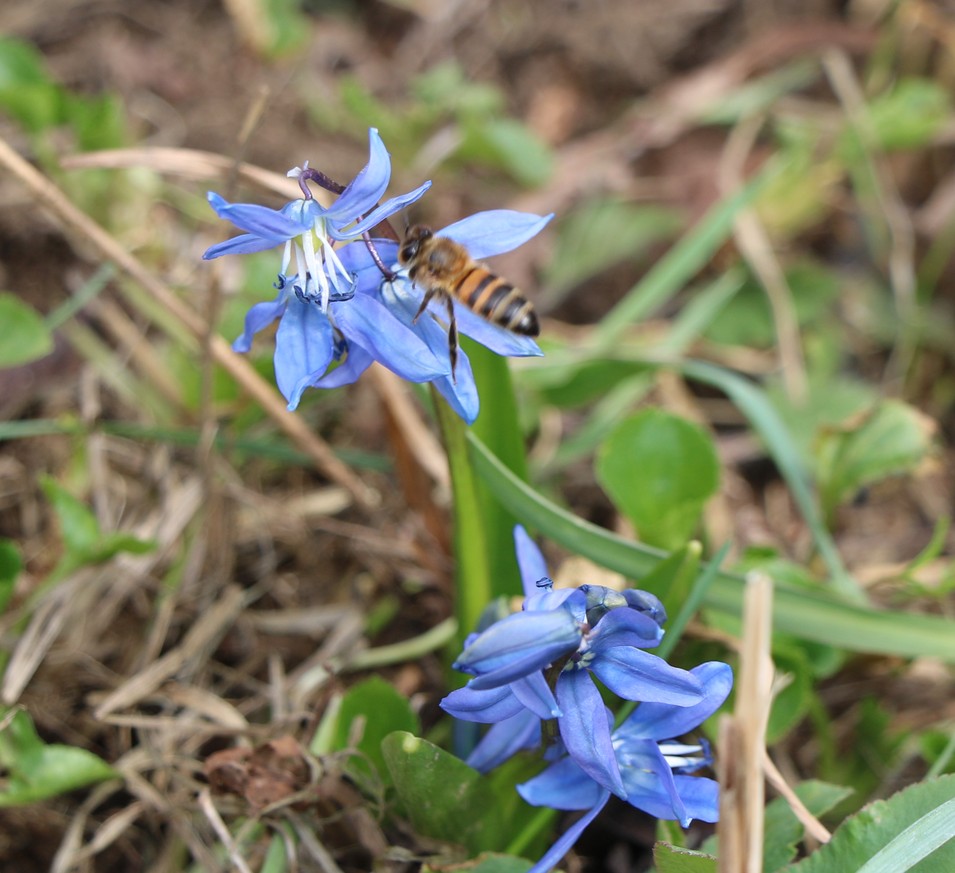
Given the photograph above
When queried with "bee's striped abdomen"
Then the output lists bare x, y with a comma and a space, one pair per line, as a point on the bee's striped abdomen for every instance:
497, 300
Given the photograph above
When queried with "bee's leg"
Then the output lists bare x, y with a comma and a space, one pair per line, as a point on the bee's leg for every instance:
428, 297
452, 336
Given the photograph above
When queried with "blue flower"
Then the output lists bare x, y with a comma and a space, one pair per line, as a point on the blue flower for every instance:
654, 767
511, 659
309, 231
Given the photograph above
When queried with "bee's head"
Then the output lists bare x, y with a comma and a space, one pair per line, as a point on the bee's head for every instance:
411, 244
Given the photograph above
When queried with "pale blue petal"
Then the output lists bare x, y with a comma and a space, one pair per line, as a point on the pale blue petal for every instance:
243, 244
563, 785
485, 234
651, 785
262, 221
534, 693
585, 729
661, 721
346, 373
304, 346
637, 675
257, 318
530, 561
505, 739
461, 392
365, 190
358, 261
380, 213
372, 326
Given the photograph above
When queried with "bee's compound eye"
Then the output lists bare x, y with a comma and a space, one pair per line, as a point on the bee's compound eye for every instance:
408, 251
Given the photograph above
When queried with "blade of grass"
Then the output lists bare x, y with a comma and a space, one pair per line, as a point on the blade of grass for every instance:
802, 613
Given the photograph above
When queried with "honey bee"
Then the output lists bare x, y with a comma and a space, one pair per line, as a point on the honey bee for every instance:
445, 270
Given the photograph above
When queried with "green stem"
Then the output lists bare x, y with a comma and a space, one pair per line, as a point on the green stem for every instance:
473, 577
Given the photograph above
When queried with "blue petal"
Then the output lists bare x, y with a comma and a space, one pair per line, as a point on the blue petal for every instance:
652, 787
505, 739
530, 560
637, 675
304, 346
625, 627
358, 261
534, 693
461, 392
563, 785
486, 706
380, 213
585, 729
257, 318
243, 244
485, 234
369, 323
566, 840
540, 636
346, 373
497, 339
259, 220
365, 190
647, 603
661, 721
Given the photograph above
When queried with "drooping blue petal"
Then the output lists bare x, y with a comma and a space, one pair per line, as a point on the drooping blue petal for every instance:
530, 561
625, 627
461, 391
369, 323
262, 221
346, 373
365, 190
566, 840
304, 347
563, 785
486, 706
380, 213
534, 693
485, 234
540, 636
585, 729
259, 316
505, 739
637, 675
661, 721
651, 784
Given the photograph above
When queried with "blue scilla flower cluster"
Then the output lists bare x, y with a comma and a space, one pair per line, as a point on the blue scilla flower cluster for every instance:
537, 667
343, 302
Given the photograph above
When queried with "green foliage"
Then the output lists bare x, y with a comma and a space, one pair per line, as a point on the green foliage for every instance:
380, 709
910, 113
659, 470
861, 839
672, 859
11, 565
36, 771
784, 831
25, 336
889, 439
447, 800
84, 543
486, 862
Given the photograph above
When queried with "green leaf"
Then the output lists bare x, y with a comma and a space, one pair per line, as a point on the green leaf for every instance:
891, 438
35, 771
383, 710
510, 145
486, 862
910, 114
659, 470
806, 614
11, 565
784, 831
444, 798
78, 526
670, 859
921, 816
24, 336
